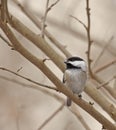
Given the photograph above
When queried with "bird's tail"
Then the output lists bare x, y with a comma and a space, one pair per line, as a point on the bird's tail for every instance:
69, 101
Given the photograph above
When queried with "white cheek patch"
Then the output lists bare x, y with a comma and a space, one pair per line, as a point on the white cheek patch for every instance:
76, 63
81, 64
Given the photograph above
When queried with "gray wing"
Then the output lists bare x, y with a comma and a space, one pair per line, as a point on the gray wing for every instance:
64, 78
64, 81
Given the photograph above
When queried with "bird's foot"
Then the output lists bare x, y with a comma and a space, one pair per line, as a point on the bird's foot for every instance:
80, 96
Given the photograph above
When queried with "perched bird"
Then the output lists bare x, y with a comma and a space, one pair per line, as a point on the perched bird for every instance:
75, 76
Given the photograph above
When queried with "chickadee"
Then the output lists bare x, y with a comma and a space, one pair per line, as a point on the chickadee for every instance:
75, 76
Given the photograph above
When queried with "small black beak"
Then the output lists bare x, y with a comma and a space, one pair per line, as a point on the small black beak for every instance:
65, 62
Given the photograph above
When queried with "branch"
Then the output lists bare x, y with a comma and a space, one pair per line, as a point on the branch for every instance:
32, 81
45, 91
6, 41
107, 87
3, 10
39, 64
104, 103
76, 113
52, 5
89, 37
107, 82
101, 68
44, 19
103, 50
45, 15
31, 16
51, 117
111, 91
87, 28
79, 22
39, 42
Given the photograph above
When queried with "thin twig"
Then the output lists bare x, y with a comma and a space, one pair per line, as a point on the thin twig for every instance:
76, 113
31, 16
101, 68
20, 82
32, 81
5, 40
111, 91
79, 21
45, 59
19, 69
89, 38
51, 117
31, 86
107, 82
103, 50
87, 28
48, 8
44, 19
52, 5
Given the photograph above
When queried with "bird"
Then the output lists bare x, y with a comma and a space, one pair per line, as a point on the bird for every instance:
75, 76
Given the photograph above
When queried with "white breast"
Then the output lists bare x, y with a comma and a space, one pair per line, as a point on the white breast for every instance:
75, 80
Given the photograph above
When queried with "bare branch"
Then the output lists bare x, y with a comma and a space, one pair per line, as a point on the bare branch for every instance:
44, 19
107, 82
105, 66
76, 112
31, 16
32, 86
98, 97
107, 87
103, 50
45, 59
6, 41
45, 15
19, 69
32, 81
79, 22
20, 83
87, 28
52, 5
38, 41
52, 116
4, 11
89, 38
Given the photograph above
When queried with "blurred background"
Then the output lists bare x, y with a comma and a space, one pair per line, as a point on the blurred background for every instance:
23, 108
